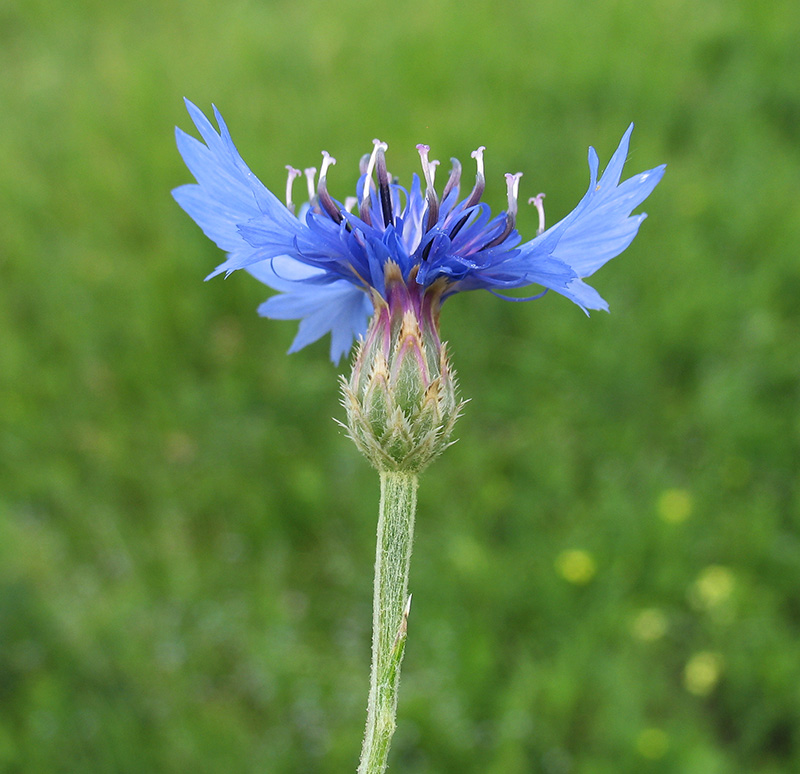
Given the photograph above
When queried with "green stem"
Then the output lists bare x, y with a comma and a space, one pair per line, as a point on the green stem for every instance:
389, 614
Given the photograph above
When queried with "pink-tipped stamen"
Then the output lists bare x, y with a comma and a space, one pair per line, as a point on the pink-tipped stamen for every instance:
537, 202
433, 164
428, 167
293, 174
376, 145
454, 179
429, 173
310, 172
480, 179
363, 209
477, 154
512, 183
327, 161
323, 197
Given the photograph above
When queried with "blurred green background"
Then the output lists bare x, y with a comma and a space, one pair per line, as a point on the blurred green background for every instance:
607, 566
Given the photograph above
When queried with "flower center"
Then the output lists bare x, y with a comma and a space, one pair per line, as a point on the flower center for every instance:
429, 227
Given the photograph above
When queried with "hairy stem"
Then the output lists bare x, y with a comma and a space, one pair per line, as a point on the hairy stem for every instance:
390, 612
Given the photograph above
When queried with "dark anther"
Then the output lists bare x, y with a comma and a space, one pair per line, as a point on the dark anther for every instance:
327, 203
509, 227
459, 226
363, 209
426, 251
323, 197
384, 191
433, 209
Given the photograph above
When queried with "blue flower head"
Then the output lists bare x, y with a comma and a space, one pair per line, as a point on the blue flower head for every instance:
335, 264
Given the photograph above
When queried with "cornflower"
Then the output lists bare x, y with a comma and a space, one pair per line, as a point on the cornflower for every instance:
330, 261
378, 268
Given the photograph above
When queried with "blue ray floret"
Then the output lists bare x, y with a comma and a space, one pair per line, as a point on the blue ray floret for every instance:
329, 261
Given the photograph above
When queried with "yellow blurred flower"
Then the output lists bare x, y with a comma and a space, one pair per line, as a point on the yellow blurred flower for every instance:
713, 587
652, 743
576, 566
650, 624
702, 673
675, 505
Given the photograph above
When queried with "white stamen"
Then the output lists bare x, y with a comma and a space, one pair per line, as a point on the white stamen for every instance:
435, 163
512, 182
309, 172
536, 201
293, 173
349, 203
428, 167
327, 161
478, 156
377, 144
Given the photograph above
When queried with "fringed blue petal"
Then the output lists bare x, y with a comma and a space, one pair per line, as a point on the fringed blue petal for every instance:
338, 308
597, 230
228, 195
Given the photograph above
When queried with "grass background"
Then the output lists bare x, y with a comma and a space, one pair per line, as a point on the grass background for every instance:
607, 566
